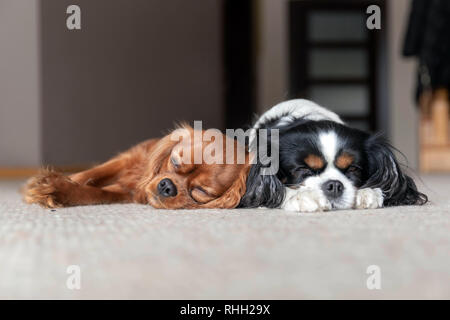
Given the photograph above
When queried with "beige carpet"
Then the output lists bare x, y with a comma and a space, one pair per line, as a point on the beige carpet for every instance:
133, 251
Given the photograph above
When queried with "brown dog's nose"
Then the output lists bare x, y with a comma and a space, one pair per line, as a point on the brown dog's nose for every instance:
166, 188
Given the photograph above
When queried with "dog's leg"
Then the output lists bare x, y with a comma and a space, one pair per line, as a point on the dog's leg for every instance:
53, 190
101, 175
109, 172
111, 182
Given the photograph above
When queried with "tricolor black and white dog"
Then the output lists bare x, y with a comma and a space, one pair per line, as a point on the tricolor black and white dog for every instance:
326, 165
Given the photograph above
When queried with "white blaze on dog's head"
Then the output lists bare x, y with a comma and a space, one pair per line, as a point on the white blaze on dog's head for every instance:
335, 186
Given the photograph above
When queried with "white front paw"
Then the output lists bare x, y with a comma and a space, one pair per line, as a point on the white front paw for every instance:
369, 198
307, 200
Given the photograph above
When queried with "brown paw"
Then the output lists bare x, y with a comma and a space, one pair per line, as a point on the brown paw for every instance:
50, 189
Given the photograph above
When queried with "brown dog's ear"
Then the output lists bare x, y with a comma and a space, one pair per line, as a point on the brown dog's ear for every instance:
162, 149
231, 198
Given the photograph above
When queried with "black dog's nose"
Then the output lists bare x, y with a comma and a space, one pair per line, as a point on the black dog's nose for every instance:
333, 189
166, 188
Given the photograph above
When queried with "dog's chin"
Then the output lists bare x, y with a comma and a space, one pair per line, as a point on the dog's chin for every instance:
347, 201
340, 205
154, 201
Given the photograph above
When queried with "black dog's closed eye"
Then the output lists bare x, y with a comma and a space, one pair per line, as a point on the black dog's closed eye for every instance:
299, 174
353, 169
303, 170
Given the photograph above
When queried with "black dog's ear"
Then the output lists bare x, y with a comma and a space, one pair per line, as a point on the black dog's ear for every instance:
385, 173
262, 190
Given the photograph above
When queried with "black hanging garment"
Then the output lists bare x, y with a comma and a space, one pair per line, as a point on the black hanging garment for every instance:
428, 38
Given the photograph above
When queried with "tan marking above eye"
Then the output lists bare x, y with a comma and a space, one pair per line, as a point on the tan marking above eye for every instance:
344, 161
314, 161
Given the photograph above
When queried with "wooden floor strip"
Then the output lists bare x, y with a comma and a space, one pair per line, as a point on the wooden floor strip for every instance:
25, 172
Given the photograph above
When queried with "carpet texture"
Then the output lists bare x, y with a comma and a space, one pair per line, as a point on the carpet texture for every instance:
134, 251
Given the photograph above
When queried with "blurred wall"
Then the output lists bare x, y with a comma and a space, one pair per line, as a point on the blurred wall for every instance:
402, 81
19, 83
271, 52
70, 97
133, 70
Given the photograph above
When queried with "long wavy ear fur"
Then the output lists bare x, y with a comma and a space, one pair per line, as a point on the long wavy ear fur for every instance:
385, 173
262, 190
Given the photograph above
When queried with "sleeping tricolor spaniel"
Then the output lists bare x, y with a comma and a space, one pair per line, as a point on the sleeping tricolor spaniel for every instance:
325, 165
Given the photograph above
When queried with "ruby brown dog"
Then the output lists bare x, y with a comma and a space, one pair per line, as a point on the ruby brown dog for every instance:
159, 172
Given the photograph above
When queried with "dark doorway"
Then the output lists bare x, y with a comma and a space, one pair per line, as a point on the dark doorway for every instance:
238, 63
334, 58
